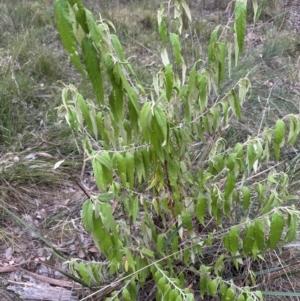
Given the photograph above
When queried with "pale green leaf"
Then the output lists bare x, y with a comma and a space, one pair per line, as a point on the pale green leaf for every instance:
87, 215
174, 38
231, 240
105, 159
279, 132
120, 166
251, 156
86, 114
186, 9
82, 269
204, 281
292, 232
95, 32
134, 209
65, 30
192, 82
169, 79
222, 59
240, 298
146, 160
107, 217
161, 119
212, 48
212, 287
160, 242
98, 174
105, 197
259, 234
234, 104
202, 86
126, 295
276, 228
246, 197
163, 30
130, 168
92, 64
240, 13
293, 132
139, 165
187, 220
230, 294
118, 47
146, 118
248, 240
229, 185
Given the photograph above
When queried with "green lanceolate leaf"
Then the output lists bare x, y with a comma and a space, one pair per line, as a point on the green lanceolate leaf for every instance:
120, 165
202, 86
201, 208
276, 228
163, 30
192, 82
230, 295
86, 113
279, 132
230, 185
139, 165
187, 220
240, 298
225, 108
126, 295
81, 17
212, 287
231, 240
246, 197
146, 118
186, 9
107, 217
176, 48
169, 78
130, 167
118, 47
96, 32
160, 242
88, 215
92, 64
146, 160
65, 29
84, 274
173, 172
98, 174
161, 119
291, 234
101, 129
248, 240
259, 234
105, 159
134, 208
204, 281
293, 130
212, 48
235, 104
240, 13
251, 156
222, 58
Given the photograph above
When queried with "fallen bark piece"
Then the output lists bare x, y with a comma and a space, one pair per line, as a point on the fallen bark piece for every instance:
31, 291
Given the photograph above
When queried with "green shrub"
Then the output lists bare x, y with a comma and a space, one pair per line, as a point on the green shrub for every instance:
192, 209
